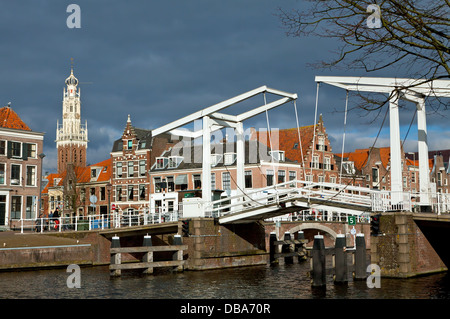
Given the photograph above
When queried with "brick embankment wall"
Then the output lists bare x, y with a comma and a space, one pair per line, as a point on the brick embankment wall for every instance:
402, 250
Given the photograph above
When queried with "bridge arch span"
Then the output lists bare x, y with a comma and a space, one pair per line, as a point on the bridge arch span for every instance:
310, 226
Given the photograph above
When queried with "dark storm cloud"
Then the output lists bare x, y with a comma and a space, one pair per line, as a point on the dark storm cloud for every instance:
160, 60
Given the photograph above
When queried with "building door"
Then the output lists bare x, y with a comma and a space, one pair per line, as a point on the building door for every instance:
2, 209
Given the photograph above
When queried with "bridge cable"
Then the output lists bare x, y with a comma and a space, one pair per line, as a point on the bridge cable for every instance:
343, 137
299, 138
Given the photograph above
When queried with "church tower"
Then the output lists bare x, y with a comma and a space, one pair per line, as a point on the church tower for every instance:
71, 135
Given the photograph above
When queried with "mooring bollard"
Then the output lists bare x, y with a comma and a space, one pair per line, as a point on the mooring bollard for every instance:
177, 255
300, 248
340, 260
116, 258
318, 273
286, 248
360, 258
272, 240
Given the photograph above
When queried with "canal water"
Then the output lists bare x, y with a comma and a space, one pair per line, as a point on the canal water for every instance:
258, 282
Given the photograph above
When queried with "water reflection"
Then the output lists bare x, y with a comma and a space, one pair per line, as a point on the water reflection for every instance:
259, 282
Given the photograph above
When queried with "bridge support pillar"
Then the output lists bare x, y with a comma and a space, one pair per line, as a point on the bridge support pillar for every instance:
402, 250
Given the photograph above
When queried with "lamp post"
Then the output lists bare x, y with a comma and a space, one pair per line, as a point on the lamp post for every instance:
108, 189
41, 156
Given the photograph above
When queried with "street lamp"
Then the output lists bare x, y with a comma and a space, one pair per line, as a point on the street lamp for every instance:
41, 156
108, 189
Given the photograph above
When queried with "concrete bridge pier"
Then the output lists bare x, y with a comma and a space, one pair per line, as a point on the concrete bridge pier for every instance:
212, 245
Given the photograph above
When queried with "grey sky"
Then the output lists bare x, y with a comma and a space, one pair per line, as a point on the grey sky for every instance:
160, 60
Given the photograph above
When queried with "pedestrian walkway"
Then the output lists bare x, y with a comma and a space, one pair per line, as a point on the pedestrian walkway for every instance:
11, 239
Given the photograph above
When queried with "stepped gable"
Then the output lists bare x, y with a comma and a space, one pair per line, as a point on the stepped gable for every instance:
10, 119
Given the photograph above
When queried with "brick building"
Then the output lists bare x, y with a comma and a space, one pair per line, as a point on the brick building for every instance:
177, 173
309, 146
84, 190
132, 156
20, 169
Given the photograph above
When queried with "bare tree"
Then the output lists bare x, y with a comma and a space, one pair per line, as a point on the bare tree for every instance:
411, 33
408, 36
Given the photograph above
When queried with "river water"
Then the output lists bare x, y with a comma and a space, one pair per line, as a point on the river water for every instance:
258, 282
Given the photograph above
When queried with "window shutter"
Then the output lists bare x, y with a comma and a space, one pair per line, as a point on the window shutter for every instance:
9, 150
24, 151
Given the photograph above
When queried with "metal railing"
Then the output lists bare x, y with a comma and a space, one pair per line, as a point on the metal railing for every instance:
95, 222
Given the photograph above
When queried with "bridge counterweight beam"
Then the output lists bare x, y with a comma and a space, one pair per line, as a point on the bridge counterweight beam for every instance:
396, 164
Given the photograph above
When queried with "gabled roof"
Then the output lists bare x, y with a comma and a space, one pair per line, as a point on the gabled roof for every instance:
83, 175
288, 141
10, 119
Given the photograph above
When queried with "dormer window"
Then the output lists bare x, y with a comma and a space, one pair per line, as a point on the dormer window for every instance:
161, 162
175, 161
215, 159
129, 144
229, 158
277, 155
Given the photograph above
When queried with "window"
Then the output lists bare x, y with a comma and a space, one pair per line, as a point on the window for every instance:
142, 168
197, 181
130, 169
52, 202
130, 144
16, 149
157, 182
130, 192
248, 179
170, 184
119, 169
309, 178
93, 172
226, 181
2, 174
16, 207
31, 150
315, 161
277, 156
215, 159
229, 158
321, 144
292, 177
170, 205
327, 163
281, 177
31, 175
333, 179
213, 181
119, 193
2, 147
15, 174
102, 193
321, 179
161, 162
374, 174
142, 192
405, 182
269, 177
175, 161
29, 208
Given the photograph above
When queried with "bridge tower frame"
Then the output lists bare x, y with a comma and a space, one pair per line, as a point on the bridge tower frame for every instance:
413, 90
213, 120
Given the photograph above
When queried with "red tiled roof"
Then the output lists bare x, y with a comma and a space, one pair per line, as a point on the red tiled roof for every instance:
83, 174
10, 119
288, 141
